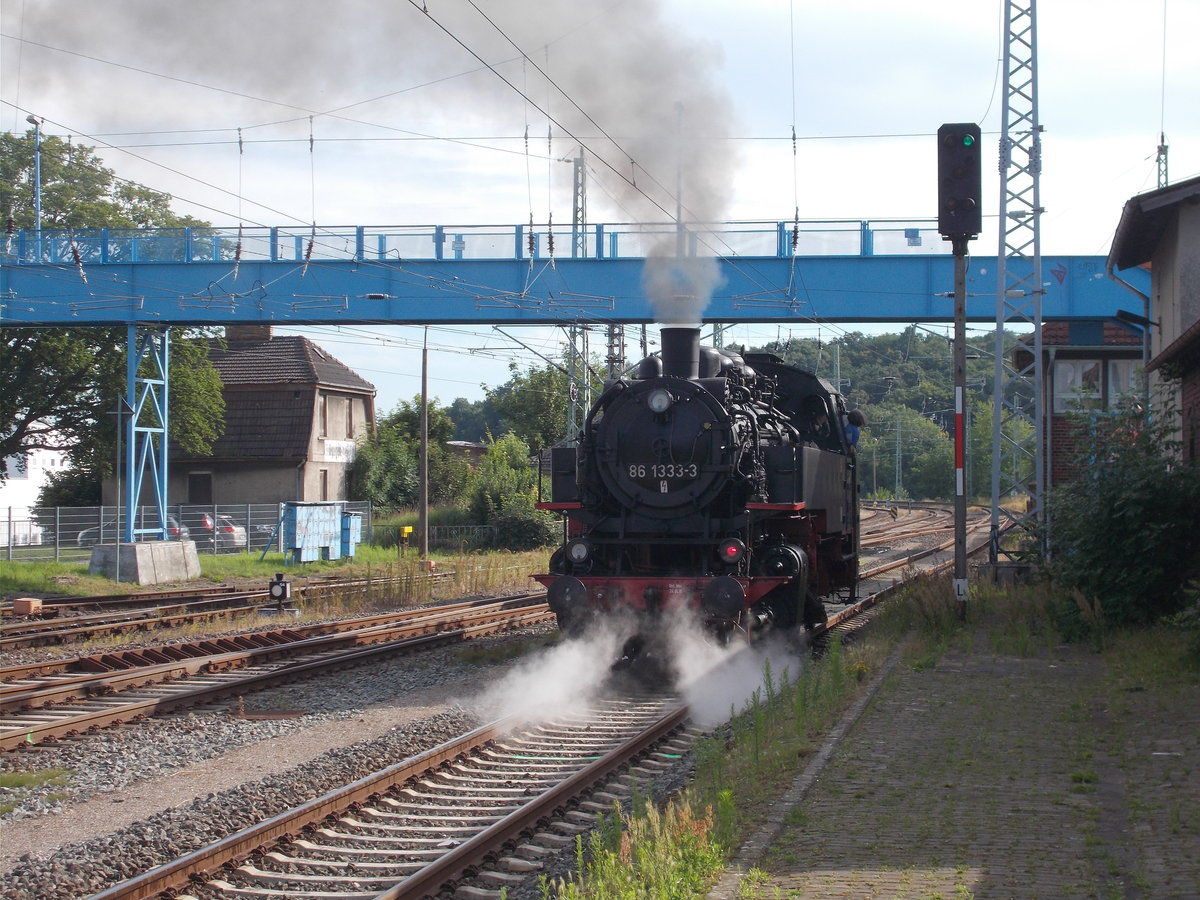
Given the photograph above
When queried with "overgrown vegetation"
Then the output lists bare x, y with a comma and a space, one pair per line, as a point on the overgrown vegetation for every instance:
755, 756
500, 490
1122, 532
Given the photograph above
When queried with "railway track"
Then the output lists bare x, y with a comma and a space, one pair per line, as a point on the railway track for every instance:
474, 816
352, 842
37, 705
66, 619
486, 806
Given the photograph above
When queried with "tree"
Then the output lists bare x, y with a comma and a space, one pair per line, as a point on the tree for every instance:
386, 468
926, 455
77, 190
406, 419
473, 420
1117, 531
58, 385
533, 405
503, 492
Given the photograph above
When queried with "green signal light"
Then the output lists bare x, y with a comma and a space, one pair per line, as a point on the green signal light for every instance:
968, 140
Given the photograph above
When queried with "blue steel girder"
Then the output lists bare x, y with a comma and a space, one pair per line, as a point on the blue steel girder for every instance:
848, 288
146, 420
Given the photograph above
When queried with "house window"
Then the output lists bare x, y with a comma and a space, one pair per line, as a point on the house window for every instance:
1122, 380
324, 479
1077, 384
1081, 384
323, 413
350, 418
200, 487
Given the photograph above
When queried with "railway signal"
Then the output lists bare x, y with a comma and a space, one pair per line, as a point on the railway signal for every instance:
960, 207
960, 219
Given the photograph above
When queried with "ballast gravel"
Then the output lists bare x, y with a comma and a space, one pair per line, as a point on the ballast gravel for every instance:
157, 764
118, 761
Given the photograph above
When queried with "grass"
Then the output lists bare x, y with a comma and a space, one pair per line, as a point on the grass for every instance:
14, 784
474, 573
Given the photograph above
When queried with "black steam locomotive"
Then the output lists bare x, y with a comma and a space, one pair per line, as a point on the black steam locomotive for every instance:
708, 481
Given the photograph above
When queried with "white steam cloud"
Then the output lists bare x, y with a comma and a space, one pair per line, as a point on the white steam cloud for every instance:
714, 679
642, 98
568, 676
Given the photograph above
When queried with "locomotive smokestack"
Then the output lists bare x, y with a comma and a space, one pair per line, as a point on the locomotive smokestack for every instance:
681, 351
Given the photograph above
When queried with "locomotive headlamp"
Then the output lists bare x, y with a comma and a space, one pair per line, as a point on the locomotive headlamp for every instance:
659, 400
731, 550
578, 550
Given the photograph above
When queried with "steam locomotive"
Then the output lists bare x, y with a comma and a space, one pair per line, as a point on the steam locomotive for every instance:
708, 481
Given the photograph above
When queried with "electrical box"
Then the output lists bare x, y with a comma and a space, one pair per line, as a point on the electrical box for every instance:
312, 530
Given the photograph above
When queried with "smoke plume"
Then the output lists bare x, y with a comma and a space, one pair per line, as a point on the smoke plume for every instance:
614, 77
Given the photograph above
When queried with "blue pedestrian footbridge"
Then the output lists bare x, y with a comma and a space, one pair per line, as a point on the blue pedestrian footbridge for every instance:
831, 270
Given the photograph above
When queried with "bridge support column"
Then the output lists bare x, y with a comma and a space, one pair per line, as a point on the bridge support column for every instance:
147, 370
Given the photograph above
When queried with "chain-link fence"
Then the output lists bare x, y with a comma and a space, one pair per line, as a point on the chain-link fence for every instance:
69, 532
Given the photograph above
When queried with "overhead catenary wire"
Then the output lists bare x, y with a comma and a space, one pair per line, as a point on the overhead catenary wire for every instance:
240, 192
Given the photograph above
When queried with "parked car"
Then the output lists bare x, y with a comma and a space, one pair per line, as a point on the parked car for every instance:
220, 533
107, 534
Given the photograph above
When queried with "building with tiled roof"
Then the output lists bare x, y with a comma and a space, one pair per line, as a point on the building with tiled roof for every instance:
1161, 229
1091, 366
293, 417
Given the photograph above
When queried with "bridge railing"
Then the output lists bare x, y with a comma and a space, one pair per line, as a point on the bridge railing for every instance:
474, 242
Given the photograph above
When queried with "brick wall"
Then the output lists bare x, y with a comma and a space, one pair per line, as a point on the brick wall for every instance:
1189, 405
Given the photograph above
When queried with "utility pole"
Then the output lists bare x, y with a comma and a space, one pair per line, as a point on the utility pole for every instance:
897, 461
423, 499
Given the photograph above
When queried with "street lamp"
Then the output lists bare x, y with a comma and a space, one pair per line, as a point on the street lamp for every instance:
37, 180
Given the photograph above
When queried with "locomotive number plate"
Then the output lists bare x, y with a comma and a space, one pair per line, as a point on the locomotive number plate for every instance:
663, 470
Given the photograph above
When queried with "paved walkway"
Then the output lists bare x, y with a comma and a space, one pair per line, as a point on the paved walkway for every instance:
991, 777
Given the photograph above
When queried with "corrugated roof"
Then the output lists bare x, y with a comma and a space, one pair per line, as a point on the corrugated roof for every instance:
288, 359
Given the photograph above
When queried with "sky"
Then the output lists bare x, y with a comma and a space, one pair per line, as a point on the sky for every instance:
286, 112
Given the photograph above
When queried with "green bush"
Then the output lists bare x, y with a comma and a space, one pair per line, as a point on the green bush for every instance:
1122, 532
519, 526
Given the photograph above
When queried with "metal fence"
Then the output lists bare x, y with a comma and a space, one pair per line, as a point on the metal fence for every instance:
441, 537
67, 533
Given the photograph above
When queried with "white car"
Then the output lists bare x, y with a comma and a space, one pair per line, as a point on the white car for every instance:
109, 534
220, 533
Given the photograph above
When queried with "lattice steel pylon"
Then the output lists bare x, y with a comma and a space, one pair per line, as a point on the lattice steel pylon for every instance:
579, 387
146, 427
579, 248
1018, 428
1161, 160
616, 350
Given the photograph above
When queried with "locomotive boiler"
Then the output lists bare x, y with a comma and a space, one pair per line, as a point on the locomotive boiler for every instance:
708, 481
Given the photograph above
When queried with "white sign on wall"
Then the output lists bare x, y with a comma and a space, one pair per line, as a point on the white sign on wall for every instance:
340, 451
